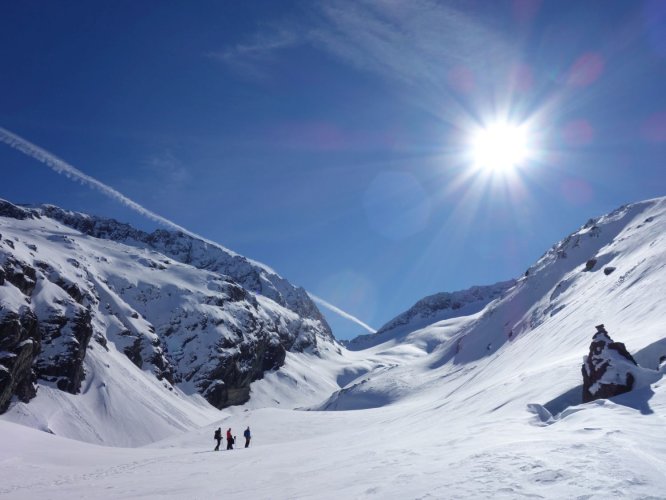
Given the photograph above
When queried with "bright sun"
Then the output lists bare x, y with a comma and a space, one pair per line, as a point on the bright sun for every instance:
500, 147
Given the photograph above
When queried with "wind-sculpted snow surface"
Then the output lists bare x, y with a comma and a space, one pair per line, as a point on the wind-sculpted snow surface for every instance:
72, 284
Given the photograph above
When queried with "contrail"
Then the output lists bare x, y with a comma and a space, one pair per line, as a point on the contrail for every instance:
62, 167
340, 312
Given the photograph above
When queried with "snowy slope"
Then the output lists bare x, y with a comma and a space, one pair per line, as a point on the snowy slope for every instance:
486, 404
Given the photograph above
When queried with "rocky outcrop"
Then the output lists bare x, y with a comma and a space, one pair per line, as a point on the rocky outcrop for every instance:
65, 338
609, 370
15, 212
19, 345
229, 382
19, 274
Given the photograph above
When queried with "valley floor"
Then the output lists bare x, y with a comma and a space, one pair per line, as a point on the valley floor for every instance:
408, 450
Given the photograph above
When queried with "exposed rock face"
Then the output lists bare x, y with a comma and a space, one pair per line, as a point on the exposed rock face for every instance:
228, 385
64, 342
609, 368
192, 313
19, 345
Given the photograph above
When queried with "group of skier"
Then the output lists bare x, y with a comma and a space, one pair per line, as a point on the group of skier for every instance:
231, 439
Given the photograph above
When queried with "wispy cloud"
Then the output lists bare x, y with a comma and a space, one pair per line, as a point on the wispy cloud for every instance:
252, 55
168, 168
424, 45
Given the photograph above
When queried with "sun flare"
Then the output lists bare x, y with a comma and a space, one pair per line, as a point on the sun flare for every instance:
500, 147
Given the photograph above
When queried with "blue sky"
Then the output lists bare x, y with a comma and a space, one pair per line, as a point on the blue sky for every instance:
329, 140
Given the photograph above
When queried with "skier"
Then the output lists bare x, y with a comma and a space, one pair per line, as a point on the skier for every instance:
218, 438
248, 436
230, 440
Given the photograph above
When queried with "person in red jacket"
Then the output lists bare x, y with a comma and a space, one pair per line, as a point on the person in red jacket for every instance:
230, 440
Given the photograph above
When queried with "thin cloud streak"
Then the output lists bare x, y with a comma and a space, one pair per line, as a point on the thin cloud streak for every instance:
262, 45
251, 57
62, 167
340, 312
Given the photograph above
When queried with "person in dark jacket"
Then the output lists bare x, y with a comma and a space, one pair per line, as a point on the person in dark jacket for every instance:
248, 436
218, 438
230, 440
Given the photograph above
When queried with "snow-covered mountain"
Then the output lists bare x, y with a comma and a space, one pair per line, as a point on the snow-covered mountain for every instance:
431, 309
76, 289
482, 400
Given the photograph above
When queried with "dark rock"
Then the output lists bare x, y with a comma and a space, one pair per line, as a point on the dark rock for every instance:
589, 265
20, 274
14, 212
229, 383
133, 352
608, 270
65, 339
19, 345
72, 290
608, 369
163, 368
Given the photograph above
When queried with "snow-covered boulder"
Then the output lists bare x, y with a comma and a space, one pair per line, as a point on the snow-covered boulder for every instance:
609, 370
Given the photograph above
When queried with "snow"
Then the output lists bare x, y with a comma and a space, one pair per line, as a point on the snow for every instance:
411, 451
118, 406
474, 406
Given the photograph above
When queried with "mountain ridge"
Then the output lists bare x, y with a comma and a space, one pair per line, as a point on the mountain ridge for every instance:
252, 275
